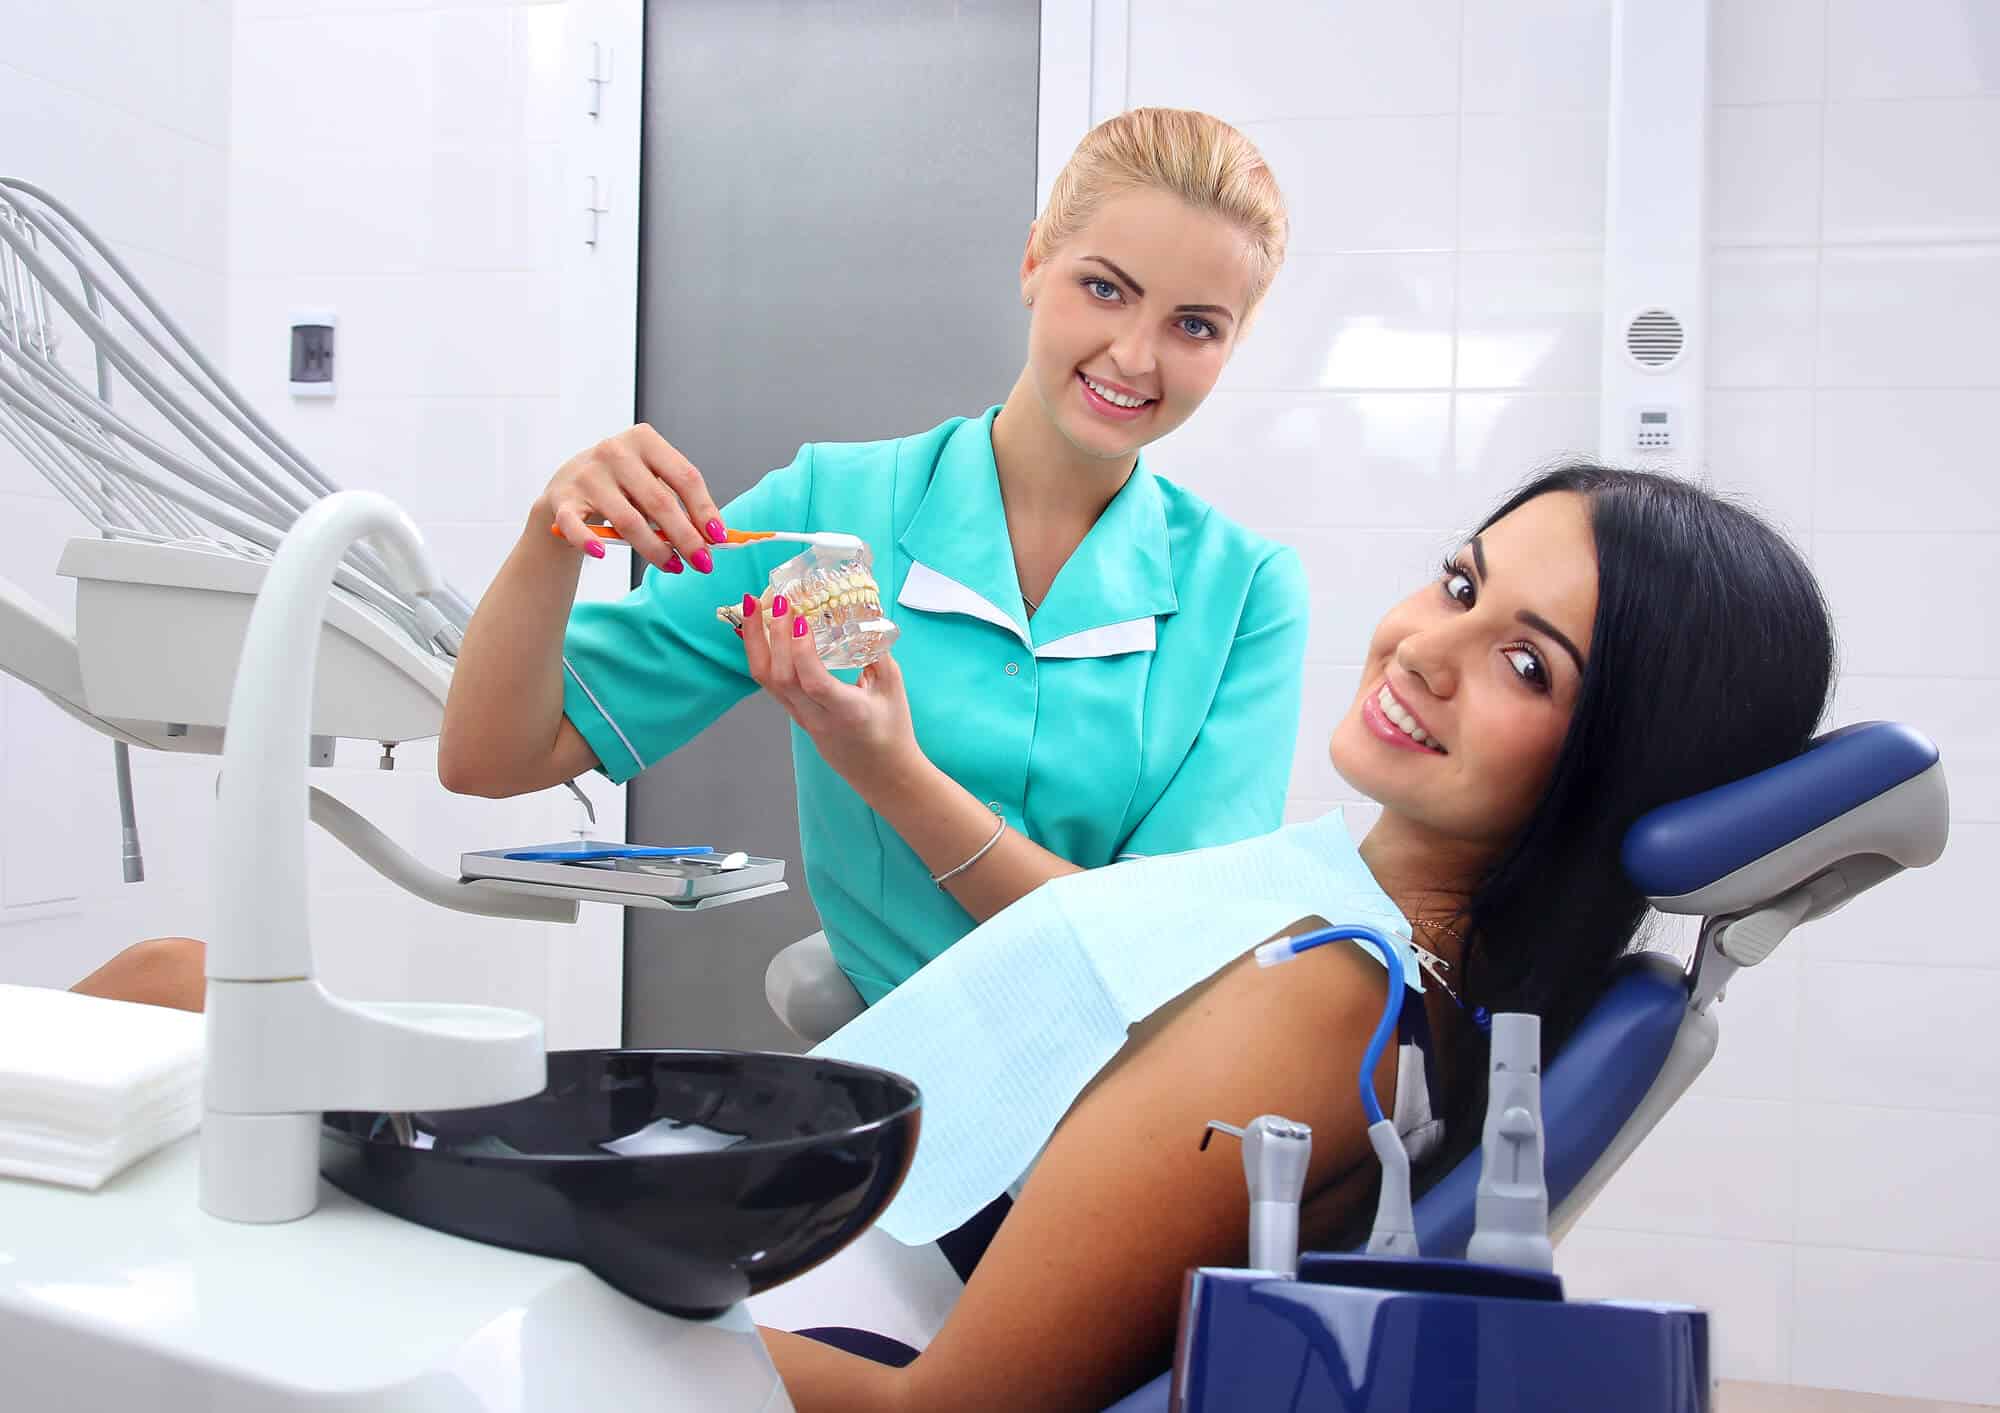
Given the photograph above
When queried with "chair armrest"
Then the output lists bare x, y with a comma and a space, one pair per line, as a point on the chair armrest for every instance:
809, 992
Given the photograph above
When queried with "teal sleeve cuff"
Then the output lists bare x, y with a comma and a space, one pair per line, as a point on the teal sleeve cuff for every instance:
617, 758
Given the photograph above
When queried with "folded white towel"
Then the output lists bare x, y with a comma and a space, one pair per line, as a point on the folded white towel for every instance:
89, 1086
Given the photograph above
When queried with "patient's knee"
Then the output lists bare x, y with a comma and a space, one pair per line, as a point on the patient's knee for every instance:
161, 971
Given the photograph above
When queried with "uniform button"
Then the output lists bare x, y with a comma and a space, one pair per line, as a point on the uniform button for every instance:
1013, 669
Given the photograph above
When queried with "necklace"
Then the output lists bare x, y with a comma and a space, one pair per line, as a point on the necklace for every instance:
1032, 604
1437, 966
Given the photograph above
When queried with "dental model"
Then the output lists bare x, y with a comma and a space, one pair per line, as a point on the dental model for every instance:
835, 591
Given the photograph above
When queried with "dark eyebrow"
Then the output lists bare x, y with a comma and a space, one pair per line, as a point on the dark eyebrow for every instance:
1532, 619
1140, 290
1542, 625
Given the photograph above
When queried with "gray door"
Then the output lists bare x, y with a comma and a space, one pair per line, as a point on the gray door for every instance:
835, 200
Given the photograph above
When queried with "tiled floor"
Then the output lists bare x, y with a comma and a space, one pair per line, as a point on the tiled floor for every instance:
1783, 1398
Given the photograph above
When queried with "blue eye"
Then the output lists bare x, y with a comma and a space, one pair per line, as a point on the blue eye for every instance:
1198, 328
1100, 288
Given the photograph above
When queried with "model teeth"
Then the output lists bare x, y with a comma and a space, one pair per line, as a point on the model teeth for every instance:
843, 596
1116, 399
1393, 709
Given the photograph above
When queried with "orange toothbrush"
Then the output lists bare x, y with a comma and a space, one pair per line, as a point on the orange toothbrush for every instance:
825, 538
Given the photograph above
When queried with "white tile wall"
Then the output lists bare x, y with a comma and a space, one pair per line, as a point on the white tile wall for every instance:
1746, 1287
1912, 49
398, 161
122, 112
1905, 460
1409, 372
1889, 1323
415, 189
1765, 174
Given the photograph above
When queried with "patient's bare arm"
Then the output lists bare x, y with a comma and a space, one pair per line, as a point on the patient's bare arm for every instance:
161, 971
1075, 1301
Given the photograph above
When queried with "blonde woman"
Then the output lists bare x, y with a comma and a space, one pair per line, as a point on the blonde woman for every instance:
1092, 663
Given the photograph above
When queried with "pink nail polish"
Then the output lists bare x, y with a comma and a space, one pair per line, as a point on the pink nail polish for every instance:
799, 626
739, 632
749, 605
595, 549
702, 560
780, 606
674, 565
716, 534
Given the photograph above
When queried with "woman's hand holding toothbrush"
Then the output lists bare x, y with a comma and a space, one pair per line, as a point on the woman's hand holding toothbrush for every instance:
646, 491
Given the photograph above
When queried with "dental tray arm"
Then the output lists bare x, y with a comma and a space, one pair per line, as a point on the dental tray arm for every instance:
393, 862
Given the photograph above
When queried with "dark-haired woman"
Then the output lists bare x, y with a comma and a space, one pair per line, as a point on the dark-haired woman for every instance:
1607, 642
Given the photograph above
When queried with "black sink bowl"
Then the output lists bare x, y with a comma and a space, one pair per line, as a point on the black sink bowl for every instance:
732, 1171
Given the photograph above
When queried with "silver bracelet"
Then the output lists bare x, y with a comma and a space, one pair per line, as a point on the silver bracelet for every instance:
941, 878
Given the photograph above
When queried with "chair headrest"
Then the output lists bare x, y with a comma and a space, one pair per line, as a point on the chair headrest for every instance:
1873, 792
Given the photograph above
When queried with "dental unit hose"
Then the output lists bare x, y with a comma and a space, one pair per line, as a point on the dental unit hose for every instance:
1395, 1232
1512, 1206
130, 858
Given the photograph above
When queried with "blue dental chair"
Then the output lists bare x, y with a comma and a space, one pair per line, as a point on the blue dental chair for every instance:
1753, 859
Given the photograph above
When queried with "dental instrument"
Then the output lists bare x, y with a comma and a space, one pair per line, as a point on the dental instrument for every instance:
1276, 1153
824, 539
1511, 1221
600, 854
1395, 1231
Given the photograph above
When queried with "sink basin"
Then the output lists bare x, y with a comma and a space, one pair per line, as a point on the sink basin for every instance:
688, 1179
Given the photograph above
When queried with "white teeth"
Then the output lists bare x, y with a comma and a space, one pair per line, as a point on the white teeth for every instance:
1393, 709
1114, 398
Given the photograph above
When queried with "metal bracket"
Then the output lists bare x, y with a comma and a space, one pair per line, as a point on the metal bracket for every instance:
602, 64
593, 209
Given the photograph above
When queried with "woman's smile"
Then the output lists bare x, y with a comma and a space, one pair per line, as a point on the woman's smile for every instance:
1113, 401
1389, 718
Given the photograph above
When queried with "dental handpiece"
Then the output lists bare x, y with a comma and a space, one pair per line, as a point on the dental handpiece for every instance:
1276, 1153
1512, 1201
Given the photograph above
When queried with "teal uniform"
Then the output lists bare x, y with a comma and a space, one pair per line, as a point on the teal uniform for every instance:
1150, 705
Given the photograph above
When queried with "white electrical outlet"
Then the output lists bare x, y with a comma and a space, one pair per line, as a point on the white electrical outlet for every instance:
311, 364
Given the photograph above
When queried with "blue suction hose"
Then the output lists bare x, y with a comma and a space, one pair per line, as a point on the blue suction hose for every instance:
1395, 1226
1284, 949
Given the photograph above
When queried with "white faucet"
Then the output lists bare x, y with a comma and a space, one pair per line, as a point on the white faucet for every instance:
280, 1048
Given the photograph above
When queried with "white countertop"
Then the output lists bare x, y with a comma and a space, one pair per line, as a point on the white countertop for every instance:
132, 1296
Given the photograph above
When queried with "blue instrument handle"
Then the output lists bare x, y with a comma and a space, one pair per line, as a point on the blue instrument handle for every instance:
615, 851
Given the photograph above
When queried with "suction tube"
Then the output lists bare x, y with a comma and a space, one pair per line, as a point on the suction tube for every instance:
1395, 1232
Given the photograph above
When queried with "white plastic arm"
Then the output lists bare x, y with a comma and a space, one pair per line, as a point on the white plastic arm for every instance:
393, 862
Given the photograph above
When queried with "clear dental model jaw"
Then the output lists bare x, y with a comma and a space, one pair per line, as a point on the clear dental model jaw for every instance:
835, 591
